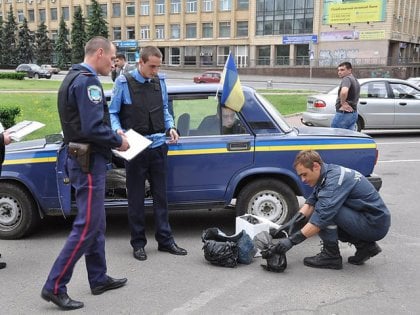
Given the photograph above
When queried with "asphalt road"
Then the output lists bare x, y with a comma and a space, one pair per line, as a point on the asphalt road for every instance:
166, 284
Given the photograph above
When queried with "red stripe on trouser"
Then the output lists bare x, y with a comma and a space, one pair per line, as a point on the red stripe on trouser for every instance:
82, 237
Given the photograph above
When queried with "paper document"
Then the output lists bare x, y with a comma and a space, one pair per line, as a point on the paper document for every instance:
137, 144
23, 128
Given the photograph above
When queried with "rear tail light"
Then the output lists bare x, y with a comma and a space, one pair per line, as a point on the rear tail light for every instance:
319, 104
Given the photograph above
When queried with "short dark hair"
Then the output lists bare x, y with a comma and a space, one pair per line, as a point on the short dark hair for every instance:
95, 43
149, 51
345, 64
307, 158
120, 56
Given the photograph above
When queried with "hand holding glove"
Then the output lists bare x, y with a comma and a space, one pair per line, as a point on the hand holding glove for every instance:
285, 244
295, 223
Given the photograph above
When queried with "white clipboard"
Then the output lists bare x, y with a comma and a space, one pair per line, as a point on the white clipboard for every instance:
137, 144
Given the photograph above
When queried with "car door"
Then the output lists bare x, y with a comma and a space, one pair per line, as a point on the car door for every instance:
407, 105
375, 106
203, 161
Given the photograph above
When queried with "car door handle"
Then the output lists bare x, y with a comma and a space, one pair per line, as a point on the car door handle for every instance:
402, 103
239, 146
362, 103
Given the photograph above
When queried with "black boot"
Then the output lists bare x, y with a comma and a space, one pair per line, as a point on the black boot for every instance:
328, 258
364, 250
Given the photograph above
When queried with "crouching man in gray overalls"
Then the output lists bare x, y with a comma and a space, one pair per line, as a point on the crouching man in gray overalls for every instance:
343, 206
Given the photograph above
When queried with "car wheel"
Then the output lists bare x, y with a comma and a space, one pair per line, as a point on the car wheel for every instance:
268, 198
18, 212
36, 76
359, 124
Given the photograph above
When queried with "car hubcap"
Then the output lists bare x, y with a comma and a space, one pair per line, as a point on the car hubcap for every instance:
10, 213
269, 205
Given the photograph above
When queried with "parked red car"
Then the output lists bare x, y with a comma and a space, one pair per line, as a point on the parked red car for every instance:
208, 77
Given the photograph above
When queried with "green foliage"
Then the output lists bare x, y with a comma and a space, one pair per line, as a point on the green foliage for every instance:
12, 75
8, 116
25, 44
9, 39
97, 25
62, 47
43, 45
288, 104
1, 39
78, 36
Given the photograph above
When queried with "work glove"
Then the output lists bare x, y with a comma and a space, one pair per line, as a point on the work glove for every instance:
295, 223
284, 244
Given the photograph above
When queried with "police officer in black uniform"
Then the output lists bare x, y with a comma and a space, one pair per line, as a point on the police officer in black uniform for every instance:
4, 140
140, 102
88, 137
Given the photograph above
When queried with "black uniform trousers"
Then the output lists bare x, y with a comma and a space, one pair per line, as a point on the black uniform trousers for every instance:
87, 234
151, 164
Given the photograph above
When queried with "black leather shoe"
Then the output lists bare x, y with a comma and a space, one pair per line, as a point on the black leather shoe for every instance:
110, 284
2, 265
140, 254
62, 300
172, 249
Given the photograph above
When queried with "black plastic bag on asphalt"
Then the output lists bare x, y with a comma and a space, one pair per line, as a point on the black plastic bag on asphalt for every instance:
275, 262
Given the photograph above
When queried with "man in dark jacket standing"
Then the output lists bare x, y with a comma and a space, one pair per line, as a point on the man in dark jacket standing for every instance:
4, 140
343, 206
88, 138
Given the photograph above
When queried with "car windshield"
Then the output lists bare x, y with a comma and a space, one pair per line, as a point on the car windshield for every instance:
274, 113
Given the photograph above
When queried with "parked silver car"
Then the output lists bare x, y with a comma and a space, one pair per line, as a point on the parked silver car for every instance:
384, 104
415, 81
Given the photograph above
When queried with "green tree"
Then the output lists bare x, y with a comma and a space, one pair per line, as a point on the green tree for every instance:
9, 39
97, 25
1, 40
25, 46
78, 36
43, 45
62, 46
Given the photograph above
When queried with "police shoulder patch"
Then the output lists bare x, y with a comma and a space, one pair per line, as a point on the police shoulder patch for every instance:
94, 93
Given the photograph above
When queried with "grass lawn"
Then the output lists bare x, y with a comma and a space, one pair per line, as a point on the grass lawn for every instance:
41, 104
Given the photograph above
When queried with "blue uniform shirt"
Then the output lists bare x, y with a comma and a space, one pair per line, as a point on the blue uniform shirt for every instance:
121, 97
342, 187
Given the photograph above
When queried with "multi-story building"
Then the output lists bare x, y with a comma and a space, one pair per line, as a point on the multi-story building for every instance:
260, 33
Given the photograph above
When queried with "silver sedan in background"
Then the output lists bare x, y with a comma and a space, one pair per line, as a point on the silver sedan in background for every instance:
384, 103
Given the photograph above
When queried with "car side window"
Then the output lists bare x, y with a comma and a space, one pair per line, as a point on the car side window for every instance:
403, 91
373, 90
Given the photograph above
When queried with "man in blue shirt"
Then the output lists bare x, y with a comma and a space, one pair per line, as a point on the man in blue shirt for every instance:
140, 102
343, 206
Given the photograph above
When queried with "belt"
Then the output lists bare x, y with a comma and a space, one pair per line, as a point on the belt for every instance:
344, 112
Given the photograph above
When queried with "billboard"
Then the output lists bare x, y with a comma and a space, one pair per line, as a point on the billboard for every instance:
353, 11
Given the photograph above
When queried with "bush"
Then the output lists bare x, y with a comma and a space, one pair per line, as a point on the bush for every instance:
8, 116
12, 75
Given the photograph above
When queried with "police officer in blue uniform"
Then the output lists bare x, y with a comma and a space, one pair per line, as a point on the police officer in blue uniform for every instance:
140, 102
88, 137
4, 140
343, 206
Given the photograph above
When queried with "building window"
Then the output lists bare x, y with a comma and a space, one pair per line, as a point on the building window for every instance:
53, 12
145, 8
104, 9
224, 29
131, 32
242, 28
20, 16
160, 7
31, 15
191, 6
160, 31
130, 9
207, 31
116, 31
263, 55
206, 56
41, 13
207, 5
191, 31
175, 6
282, 55
284, 17
54, 35
242, 4
222, 54
174, 56
226, 5
144, 32
66, 13
190, 56
116, 10
175, 31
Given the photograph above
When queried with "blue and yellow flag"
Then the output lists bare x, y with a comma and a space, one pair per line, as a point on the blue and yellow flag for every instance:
232, 94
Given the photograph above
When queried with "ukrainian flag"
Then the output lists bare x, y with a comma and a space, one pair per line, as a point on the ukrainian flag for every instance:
232, 94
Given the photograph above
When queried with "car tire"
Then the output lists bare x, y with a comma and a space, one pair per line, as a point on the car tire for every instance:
359, 124
36, 76
18, 212
268, 198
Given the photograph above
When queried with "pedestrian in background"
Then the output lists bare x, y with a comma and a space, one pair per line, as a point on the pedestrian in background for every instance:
120, 67
140, 102
347, 99
4, 140
89, 139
